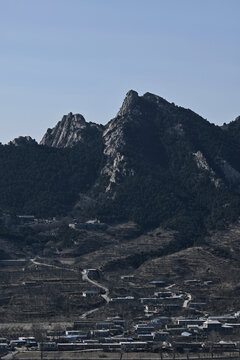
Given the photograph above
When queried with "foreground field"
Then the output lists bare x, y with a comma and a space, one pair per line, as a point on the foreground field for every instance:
121, 356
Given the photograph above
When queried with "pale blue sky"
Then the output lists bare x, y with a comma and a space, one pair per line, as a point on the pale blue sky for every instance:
82, 56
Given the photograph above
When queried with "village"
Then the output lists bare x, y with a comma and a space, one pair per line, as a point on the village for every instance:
51, 306
168, 322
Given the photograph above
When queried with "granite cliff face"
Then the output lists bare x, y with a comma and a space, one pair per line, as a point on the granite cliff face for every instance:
137, 135
116, 165
133, 131
68, 132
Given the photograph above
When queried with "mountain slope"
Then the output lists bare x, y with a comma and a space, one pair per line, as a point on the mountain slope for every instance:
155, 163
46, 181
164, 164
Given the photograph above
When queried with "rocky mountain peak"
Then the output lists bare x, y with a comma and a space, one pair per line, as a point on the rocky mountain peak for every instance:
76, 120
136, 105
155, 99
132, 122
23, 141
130, 103
68, 132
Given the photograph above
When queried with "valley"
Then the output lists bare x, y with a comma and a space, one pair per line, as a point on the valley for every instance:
122, 239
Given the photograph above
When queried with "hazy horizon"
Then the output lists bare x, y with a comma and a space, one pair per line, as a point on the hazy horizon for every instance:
83, 56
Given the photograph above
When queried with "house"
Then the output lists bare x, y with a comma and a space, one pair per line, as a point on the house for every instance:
127, 277
197, 305
78, 346
118, 321
161, 335
17, 343
146, 337
100, 333
210, 325
118, 339
75, 338
29, 283
186, 334
95, 224
186, 322
111, 346
157, 323
224, 346
233, 325
158, 283
30, 341
63, 346
144, 328
162, 319
223, 318
163, 294
89, 225
24, 219
74, 333
3, 341
47, 346
104, 325
90, 293
12, 263
116, 331
227, 329
124, 299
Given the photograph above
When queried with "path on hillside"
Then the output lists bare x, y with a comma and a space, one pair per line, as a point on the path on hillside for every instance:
169, 286
189, 296
52, 266
186, 302
85, 315
86, 278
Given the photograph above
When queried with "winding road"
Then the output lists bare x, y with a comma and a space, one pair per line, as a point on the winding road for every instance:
186, 302
85, 277
52, 266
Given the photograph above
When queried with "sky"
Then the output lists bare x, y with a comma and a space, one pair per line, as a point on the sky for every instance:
82, 56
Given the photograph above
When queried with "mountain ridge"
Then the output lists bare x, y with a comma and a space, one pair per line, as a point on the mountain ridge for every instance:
155, 163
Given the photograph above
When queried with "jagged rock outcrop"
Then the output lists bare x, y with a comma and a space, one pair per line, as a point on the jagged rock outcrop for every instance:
203, 164
116, 165
130, 104
23, 141
134, 123
145, 121
68, 132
